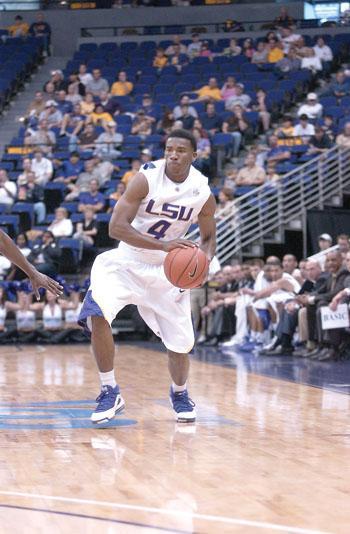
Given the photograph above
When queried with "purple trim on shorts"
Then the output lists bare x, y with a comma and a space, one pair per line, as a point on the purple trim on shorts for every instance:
89, 308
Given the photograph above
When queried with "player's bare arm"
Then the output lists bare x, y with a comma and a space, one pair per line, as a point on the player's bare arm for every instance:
125, 212
12, 252
207, 227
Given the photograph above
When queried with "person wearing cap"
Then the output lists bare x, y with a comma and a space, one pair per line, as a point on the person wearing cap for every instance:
51, 114
122, 87
324, 241
211, 91
312, 108
97, 84
108, 143
146, 156
304, 129
240, 99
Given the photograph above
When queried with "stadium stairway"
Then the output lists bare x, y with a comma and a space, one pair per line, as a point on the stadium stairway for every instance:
10, 120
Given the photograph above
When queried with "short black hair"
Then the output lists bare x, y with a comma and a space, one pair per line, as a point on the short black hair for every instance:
183, 134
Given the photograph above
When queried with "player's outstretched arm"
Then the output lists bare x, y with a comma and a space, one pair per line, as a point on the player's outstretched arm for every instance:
125, 212
12, 252
207, 227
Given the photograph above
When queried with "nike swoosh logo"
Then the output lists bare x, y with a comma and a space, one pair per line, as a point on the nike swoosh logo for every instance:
182, 290
192, 275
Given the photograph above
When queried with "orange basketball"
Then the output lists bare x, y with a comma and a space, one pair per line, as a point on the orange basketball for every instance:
186, 268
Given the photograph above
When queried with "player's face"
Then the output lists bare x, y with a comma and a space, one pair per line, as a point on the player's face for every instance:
179, 156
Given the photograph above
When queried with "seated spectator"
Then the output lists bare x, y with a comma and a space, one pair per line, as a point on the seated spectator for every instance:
329, 126
185, 99
92, 199
87, 105
87, 230
97, 83
42, 167
319, 142
272, 178
51, 114
230, 178
311, 61
285, 132
142, 124
209, 92
146, 156
122, 87
343, 139
248, 48
205, 50
27, 168
58, 81
251, 174
228, 90
8, 190
235, 125
19, 28
99, 117
260, 54
36, 106
121, 188
49, 91
149, 108
343, 242
313, 109
301, 49
339, 87
275, 52
241, 99
304, 129
210, 120
41, 28
202, 162
135, 167
76, 89
261, 108
166, 123
103, 170
160, 59
288, 38
284, 19
84, 76
23, 244
194, 48
74, 121
42, 138
176, 45
108, 143
63, 105
225, 198
233, 50
186, 118
277, 153
324, 53
87, 138
289, 63
70, 170
177, 59
34, 194
61, 226
82, 183
45, 255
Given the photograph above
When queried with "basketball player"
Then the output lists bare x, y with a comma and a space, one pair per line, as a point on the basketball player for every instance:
150, 219
12, 252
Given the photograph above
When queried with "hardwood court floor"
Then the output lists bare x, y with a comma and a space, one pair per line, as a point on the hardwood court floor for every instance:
266, 455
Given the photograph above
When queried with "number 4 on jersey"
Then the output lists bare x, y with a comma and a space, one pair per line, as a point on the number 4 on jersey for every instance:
159, 229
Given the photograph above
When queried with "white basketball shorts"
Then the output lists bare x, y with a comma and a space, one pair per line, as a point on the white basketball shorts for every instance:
117, 281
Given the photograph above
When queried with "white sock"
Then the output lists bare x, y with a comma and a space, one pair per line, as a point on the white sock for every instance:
177, 389
108, 379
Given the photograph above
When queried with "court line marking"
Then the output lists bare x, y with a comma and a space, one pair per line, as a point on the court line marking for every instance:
165, 511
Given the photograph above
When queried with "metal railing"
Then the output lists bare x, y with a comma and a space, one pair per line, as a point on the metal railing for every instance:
265, 212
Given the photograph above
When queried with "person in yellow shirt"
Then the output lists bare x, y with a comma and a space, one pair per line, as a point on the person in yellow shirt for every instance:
122, 87
19, 28
87, 105
99, 117
160, 59
209, 92
275, 51
135, 167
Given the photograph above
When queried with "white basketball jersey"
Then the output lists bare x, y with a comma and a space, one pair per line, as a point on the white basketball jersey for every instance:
168, 210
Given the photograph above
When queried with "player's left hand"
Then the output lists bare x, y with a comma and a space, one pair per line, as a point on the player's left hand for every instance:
41, 280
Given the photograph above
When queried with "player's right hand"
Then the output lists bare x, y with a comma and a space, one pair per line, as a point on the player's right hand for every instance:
178, 243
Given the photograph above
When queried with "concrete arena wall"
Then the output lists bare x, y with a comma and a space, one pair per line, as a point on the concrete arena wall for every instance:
66, 24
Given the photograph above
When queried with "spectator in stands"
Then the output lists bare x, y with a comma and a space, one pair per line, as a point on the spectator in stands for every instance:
251, 174
49, 90
343, 242
272, 178
41, 28
97, 84
176, 45
324, 242
259, 56
99, 117
235, 125
313, 109
36, 106
324, 53
8, 190
63, 105
194, 48
319, 142
339, 87
76, 89
87, 138
261, 108
92, 199
229, 88
288, 38
343, 139
46, 255
142, 124
34, 194
288, 64
42, 167
82, 183
135, 167
84, 76
42, 138
203, 152
248, 48
311, 61
177, 59
205, 50
86, 231
166, 123
88, 104
329, 126
27, 168
230, 178
186, 118
122, 87
61, 226
146, 156
233, 50
19, 28
285, 132
121, 188
304, 129
108, 143
209, 92
70, 170
160, 60
51, 114
74, 121
211, 121
58, 81
277, 153
149, 108
240, 99
275, 52
284, 19
185, 99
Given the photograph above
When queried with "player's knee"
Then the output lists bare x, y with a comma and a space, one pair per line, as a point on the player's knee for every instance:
99, 322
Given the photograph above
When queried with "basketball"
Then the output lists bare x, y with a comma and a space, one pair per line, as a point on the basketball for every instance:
186, 268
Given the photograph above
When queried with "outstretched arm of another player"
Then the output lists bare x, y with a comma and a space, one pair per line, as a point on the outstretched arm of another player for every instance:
207, 227
9, 249
125, 212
